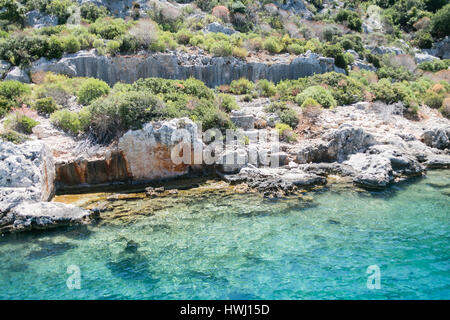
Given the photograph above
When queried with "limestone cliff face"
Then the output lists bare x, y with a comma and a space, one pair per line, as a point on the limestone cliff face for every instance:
26, 168
141, 155
149, 151
213, 71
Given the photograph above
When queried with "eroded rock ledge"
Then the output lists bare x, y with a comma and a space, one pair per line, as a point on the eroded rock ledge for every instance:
213, 71
27, 182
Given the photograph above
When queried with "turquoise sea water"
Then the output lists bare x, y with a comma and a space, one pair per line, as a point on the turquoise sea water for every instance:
246, 247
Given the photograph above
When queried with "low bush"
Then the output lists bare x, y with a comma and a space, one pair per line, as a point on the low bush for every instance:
241, 86
69, 121
92, 12
286, 114
433, 100
113, 115
13, 136
108, 28
440, 26
286, 133
335, 51
435, 65
46, 105
183, 36
19, 122
226, 102
272, 44
11, 89
445, 109
92, 89
71, 44
221, 49
240, 52
295, 49
318, 93
266, 88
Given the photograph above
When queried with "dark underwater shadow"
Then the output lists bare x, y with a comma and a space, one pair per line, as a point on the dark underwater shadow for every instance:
49, 248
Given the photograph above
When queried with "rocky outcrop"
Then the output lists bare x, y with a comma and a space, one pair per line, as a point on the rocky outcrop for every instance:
213, 71
242, 120
4, 67
42, 215
297, 7
148, 151
440, 49
27, 166
336, 145
27, 176
438, 137
385, 50
276, 182
424, 57
37, 19
217, 27
17, 74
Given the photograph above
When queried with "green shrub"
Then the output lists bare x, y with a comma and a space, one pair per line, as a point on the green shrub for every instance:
108, 28
226, 102
46, 105
433, 99
56, 48
318, 93
440, 26
183, 36
241, 86
92, 89
295, 48
116, 114
266, 88
445, 109
424, 40
329, 32
310, 102
398, 73
240, 52
221, 49
67, 120
92, 12
11, 89
389, 92
20, 122
272, 44
351, 17
434, 65
286, 133
113, 47
286, 114
71, 44
13, 136
335, 51
60, 8
22, 49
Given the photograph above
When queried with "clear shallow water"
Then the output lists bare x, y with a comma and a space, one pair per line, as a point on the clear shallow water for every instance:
245, 247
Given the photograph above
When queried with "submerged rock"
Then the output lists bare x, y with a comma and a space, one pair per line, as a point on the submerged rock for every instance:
42, 215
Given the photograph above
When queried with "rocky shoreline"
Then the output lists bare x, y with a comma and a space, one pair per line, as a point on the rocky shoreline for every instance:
370, 144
